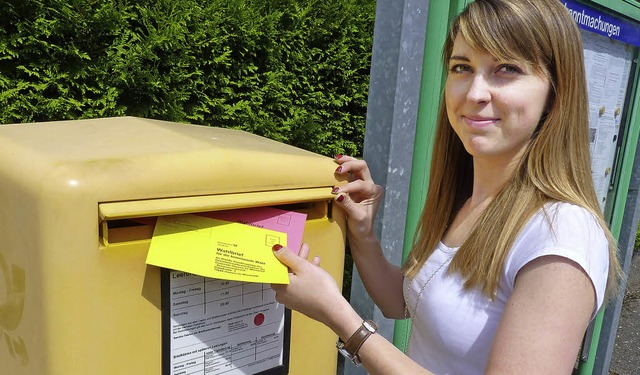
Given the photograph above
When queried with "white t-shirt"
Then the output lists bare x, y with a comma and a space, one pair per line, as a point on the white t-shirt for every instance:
453, 329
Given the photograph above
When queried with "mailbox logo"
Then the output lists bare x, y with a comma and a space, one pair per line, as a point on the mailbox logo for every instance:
12, 309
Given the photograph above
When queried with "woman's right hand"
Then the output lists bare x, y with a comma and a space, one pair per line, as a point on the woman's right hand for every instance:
359, 198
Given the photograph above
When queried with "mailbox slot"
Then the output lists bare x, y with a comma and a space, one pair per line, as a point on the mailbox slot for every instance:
134, 221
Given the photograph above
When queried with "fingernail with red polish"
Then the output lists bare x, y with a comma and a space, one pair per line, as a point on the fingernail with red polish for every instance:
339, 169
276, 247
340, 198
339, 156
335, 190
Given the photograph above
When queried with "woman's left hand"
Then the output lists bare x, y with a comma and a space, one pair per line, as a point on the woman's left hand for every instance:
311, 290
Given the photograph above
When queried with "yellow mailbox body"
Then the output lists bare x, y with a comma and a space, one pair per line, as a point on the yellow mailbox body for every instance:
76, 296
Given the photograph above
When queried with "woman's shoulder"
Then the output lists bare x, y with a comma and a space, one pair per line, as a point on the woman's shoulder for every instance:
563, 229
566, 208
561, 217
566, 230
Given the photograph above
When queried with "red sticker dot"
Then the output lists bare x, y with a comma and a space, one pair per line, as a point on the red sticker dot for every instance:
258, 319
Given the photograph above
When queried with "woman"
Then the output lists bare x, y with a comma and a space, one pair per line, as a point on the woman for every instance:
512, 258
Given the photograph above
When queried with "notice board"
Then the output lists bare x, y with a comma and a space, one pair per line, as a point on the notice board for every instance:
610, 44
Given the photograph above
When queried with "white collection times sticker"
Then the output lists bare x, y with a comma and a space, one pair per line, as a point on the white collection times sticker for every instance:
222, 326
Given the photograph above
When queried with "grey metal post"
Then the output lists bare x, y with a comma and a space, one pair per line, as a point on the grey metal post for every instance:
626, 242
396, 69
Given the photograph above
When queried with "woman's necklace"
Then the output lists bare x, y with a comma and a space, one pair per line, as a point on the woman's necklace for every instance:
409, 314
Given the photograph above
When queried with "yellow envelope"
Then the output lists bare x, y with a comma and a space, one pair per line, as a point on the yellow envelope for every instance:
216, 248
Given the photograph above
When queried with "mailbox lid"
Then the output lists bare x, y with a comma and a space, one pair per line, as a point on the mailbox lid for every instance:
133, 158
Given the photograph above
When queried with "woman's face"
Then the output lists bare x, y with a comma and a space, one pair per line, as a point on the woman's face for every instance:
494, 106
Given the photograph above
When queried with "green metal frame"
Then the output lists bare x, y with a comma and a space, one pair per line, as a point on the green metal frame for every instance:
621, 183
440, 14
432, 81
628, 8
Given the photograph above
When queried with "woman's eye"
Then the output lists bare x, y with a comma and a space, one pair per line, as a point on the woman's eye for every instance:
509, 68
459, 68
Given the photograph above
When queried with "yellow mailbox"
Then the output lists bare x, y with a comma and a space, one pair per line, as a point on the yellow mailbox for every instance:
78, 203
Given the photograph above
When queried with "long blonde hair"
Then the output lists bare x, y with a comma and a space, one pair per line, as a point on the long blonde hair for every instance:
542, 33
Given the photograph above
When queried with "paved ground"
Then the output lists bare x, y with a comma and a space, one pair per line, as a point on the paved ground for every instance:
626, 353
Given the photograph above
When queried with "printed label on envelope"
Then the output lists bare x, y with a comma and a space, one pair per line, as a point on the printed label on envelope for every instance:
217, 248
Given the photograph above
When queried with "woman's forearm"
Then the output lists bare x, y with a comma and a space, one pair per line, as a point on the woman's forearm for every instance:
382, 279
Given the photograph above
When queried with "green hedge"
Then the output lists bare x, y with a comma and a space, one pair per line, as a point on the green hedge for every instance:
292, 70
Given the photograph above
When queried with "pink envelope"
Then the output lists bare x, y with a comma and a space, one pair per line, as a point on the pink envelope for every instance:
289, 222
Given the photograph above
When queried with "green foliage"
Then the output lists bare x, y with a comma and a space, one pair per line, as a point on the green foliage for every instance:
638, 238
292, 70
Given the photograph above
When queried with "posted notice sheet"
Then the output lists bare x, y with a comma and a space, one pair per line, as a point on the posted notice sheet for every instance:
221, 326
